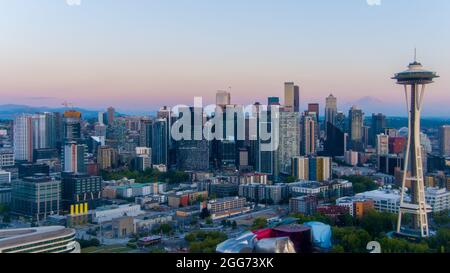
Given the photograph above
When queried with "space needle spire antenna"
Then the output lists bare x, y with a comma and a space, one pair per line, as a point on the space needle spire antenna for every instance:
415, 54
414, 80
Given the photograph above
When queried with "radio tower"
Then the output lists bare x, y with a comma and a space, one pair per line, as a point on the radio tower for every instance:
414, 81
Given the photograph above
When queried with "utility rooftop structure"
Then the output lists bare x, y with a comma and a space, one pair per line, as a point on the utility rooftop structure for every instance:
416, 78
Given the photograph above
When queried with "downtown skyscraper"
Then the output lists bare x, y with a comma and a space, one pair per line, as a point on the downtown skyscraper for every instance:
356, 123
377, 127
74, 157
330, 111
308, 135
291, 97
37, 131
160, 142
444, 140
71, 125
289, 140
23, 138
223, 98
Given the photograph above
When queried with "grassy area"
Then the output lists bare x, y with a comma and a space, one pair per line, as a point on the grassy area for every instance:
107, 249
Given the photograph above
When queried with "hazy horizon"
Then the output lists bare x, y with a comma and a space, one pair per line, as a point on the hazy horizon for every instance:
140, 55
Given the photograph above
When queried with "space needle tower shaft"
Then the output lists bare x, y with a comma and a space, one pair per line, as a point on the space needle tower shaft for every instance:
414, 80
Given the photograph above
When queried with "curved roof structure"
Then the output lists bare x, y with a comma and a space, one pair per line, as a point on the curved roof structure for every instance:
22, 236
415, 74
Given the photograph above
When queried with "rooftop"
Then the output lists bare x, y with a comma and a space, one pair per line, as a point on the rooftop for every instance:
224, 199
381, 194
12, 237
292, 228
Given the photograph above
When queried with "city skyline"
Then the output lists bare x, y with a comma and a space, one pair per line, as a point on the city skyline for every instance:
136, 56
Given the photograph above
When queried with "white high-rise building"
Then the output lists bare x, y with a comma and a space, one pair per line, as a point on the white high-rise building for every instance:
143, 151
444, 140
100, 130
438, 199
74, 158
100, 118
23, 138
40, 131
351, 157
35, 131
382, 144
289, 140
384, 200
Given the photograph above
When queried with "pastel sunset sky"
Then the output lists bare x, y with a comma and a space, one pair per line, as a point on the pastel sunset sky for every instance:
141, 54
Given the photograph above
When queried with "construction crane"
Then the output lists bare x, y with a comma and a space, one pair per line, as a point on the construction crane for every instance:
68, 104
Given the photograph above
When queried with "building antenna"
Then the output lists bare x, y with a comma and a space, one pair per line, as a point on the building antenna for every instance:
415, 54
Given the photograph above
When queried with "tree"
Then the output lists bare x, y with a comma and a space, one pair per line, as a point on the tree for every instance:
200, 198
4, 209
337, 249
317, 217
212, 196
194, 220
442, 218
204, 213
378, 222
132, 245
158, 250
351, 239
441, 242
345, 220
259, 223
88, 243
7, 218
291, 179
163, 228
166, 228
398, 245
147, 176
204, 241
361, 183
226, 223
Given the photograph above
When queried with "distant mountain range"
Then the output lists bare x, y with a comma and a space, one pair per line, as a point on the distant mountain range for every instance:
369, 105
9, 111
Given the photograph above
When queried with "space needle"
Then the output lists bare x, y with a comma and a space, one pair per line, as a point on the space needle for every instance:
414, 80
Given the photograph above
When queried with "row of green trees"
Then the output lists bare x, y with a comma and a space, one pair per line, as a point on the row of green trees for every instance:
231, 224
355, 239
88, 243
5, 213
204, 241
163, 228
442, 218
352, 235
361, 183
147, 176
